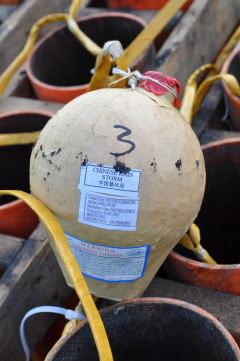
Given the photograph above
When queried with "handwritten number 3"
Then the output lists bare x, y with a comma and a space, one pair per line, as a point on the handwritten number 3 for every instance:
120, 138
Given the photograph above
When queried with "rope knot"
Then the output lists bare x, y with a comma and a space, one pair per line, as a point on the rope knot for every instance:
151, 81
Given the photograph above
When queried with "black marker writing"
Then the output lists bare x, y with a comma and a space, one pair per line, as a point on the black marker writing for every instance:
120, 138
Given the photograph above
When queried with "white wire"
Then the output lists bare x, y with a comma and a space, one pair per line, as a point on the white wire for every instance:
138, 76
69, 315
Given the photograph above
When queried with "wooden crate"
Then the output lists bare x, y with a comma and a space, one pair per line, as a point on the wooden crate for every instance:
33, 277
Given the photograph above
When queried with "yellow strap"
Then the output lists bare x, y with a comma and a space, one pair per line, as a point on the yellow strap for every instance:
229, 79
230, 45
155, 26
192, 243
111, 55
18, 138
64, 251
194, 95
92, 47
68, 328
190, 92
75, 7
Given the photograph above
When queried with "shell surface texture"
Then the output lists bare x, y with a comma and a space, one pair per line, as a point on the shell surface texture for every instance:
125, 130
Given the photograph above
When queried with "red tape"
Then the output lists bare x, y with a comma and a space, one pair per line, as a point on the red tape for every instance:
158, 89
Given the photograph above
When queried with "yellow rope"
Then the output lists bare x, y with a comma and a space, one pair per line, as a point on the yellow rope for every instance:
57, 237
192, 241
18, 138
75, 7
190, 92
92, 47
229, 79
194, 95
111, 55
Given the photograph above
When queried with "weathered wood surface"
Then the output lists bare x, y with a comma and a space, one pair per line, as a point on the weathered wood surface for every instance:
19, 85
8, 104
5, 11
9, 247
14, 31
33, 279
225, 307
198, 38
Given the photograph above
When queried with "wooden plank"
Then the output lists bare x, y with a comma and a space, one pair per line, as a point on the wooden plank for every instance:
14, 31
20, 85
9, 247
225, 307
5, 11
198, 38
33, 279
8, 104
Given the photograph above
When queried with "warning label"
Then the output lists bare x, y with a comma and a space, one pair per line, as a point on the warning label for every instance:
108, 212
110, 264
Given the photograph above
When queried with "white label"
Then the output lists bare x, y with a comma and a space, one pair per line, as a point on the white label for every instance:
109, 198
105, 179
109, 212
110, 264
